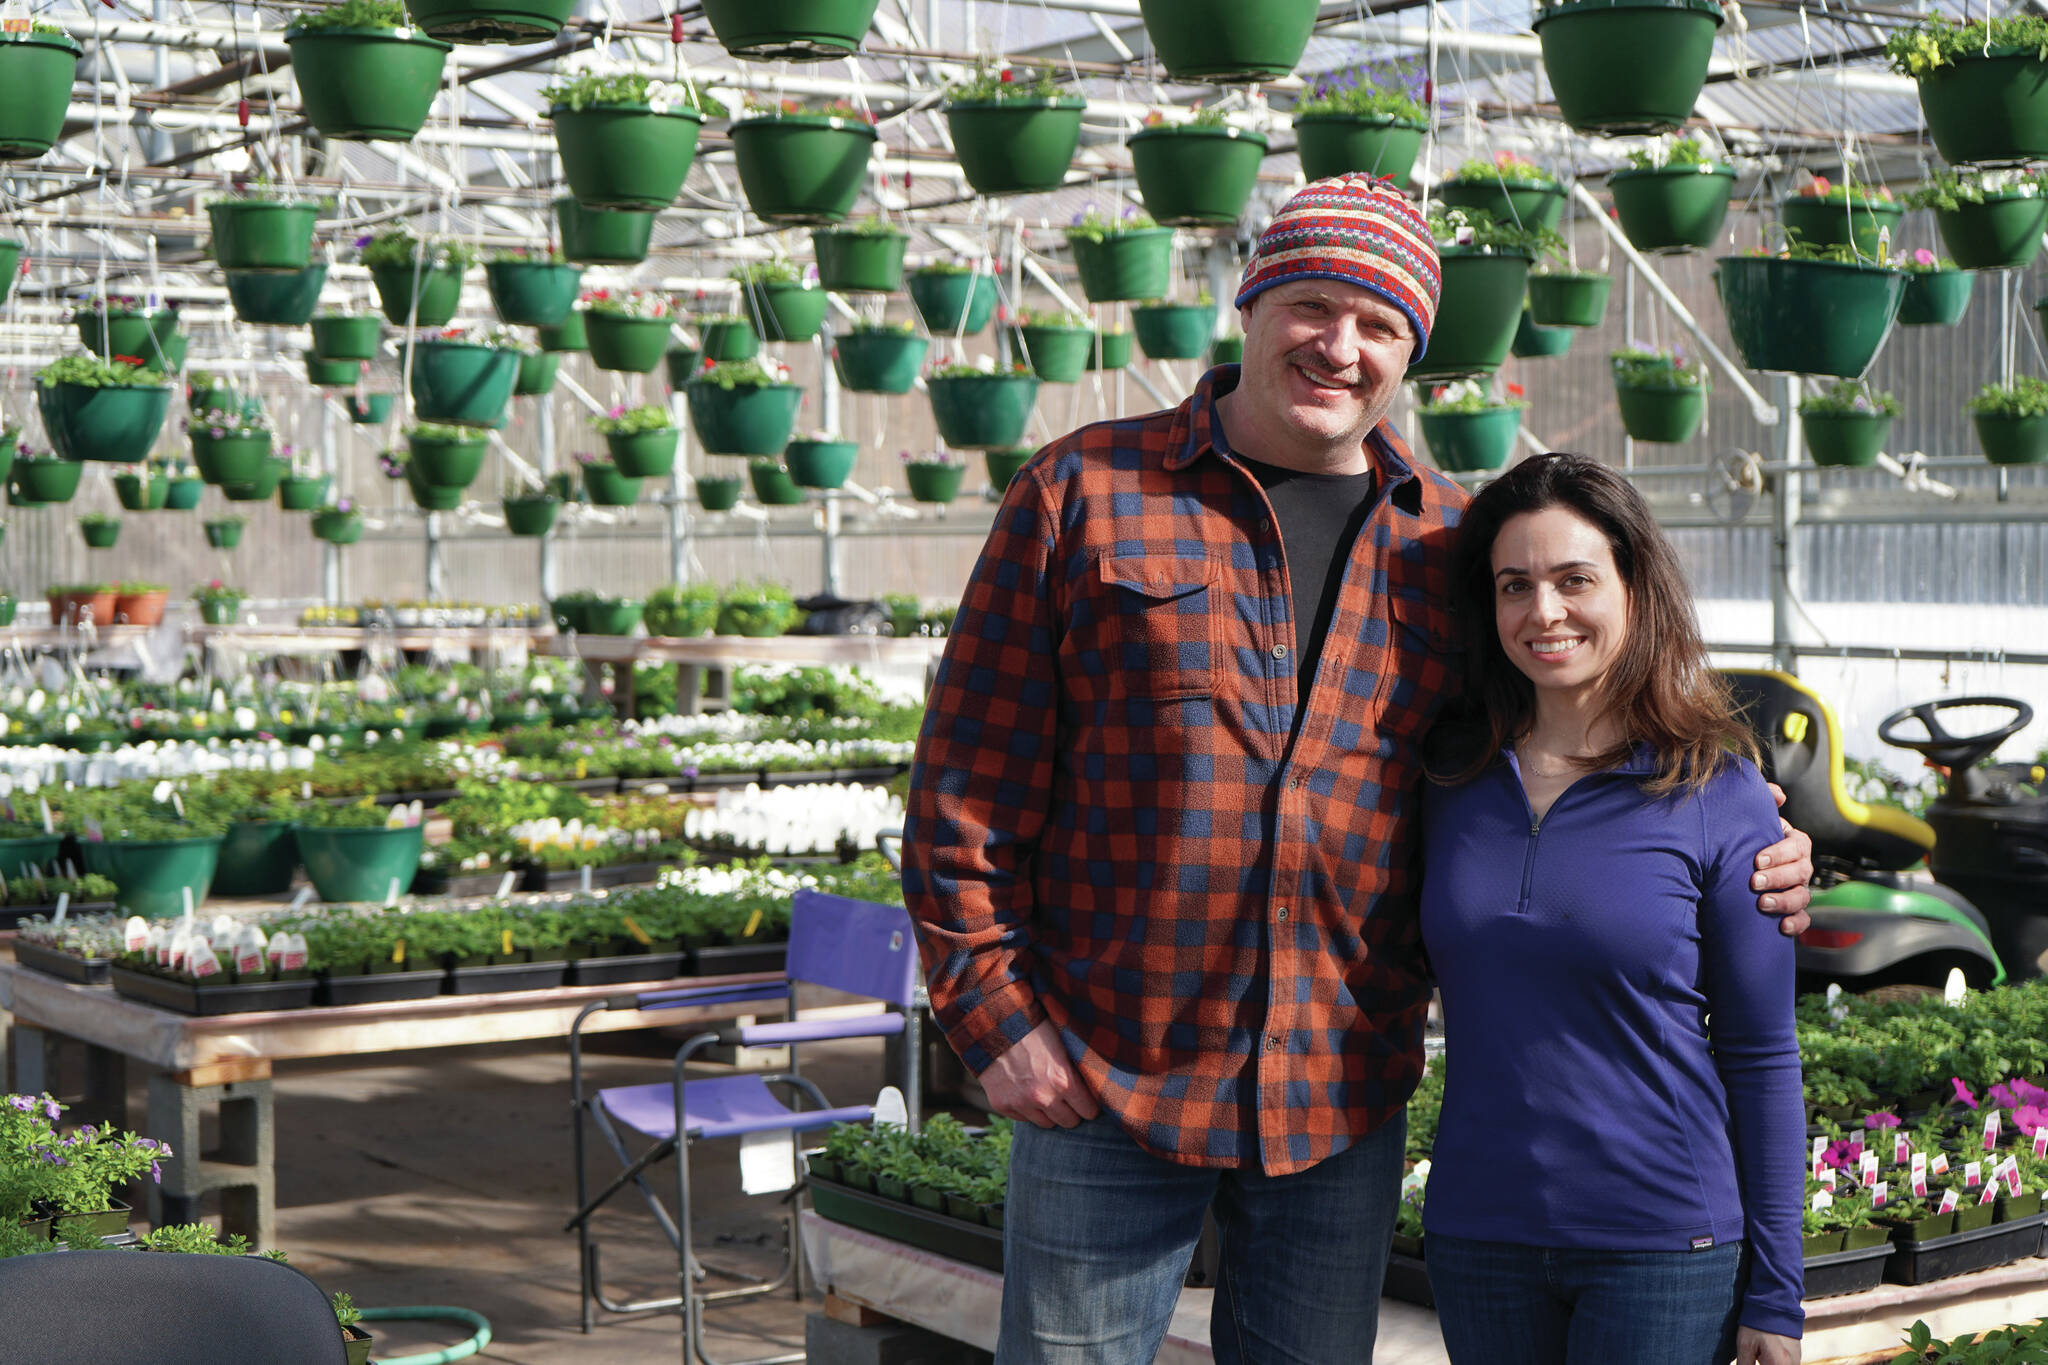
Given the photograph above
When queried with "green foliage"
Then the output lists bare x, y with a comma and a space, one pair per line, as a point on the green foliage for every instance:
1465, 397
905, 328
1368, 91
2026, 396
1478, 230
397, 246
757, 604
197, 1239
363, 814
1846, 398
525, 255
777, 271
991, 84
1053, 317
346, 1314
965, 369
96, 372
434, 431
1684, 152
1096, 226
1946, 191
351, 14
681, 610
589, 88
943, 268
1939, 41
1505, 169
735, 374
870, 226
1657, 370
805, 692
632, 421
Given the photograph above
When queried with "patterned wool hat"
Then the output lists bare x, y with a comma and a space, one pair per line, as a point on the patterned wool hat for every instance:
1359, 229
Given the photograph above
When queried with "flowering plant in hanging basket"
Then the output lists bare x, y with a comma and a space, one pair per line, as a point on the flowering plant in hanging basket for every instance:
1514, 190
2012, 421
1662, 394
1367, 118
1469, 427
979, 406
1937, 290
783, 296
934, 476
363, 71
1015, 132
1673, 199
629, 303
1846, 424
532, 286
262, 226
103, 410
417, 281
1989, 220
627, 140
642, 440
1126, 257
38, 66
218, 603
1485, 271
803, 162
1199, 171
1981, 85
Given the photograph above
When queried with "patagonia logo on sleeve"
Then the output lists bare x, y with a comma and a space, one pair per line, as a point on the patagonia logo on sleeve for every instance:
1702, 1243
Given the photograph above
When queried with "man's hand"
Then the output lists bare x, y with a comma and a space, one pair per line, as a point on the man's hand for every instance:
1763, 1348
1035, 1083
1783, 871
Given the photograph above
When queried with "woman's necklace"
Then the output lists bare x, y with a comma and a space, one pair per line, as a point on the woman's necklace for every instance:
1571, 764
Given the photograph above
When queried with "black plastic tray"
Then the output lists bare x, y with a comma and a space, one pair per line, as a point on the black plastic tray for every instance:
380, 987
467, 884
974, 1243
614, 971
14, 916
1408, 1281
1979, 1249
616, 874
505, 976
188, 998
1846, 1272
732, 959
86, 971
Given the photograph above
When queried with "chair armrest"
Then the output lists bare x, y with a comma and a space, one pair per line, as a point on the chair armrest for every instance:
703, 995
809, 1030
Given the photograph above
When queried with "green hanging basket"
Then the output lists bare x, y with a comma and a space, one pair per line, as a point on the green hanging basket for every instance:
1340, 144
182, 495
787, 312
37, 483
820, 464
360, 864
490, 21
953, 302
618, 342
1021, 146
720, 494
1110, 351
983, 412
132, 334
934, 483
531, 516
879, 362
223, 535
274, 299
643, 454
1808, 317
1935, 298
729, 340
625, 156
1228, 41
1532, 341
1569, 300
802, 168
603, 237
262, 234
155, 877
1845, 440
1057, 355
773, 486
1988, 108
370, 410
257, 857
536, 373
747, 419
1532, 206
1476, 318
439, 291
2002, 233
138, 494
1672, 209
113, 425
230, 459
1124, 266
1858, 222
10, 266
260, 489
303, 492
443, 463
607, 487
366, 84
432, 497
1229, 350
681, 362
790, 30
1461, 442
461, 383
1649, 90
1174, 331
345, 336
36, 71
337, 527
1005, 465
2012, 440
859, 262
1198, 177
532, 293
332, 374
1665, 415
566, 335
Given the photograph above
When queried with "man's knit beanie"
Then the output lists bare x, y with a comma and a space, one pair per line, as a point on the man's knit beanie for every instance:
1359, 229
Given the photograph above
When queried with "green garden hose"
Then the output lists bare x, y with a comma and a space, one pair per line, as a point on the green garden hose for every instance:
459, 1351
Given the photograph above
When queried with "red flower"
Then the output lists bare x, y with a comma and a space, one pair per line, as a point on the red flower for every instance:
1514, 390
1008, 75
128, 360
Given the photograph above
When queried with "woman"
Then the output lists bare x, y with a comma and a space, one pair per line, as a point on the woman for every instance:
1617, 1178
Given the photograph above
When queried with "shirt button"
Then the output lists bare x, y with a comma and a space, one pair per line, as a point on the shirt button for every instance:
1283, 912
1273, 1043
1265, 523
1279, 651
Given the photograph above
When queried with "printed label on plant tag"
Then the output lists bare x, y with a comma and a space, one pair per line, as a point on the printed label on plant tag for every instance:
63, 905
201, 961
1880, 1194
506, 883
753, 923
1990, 1193
1820, 1148
1827, 1177
1902, 1150
2041, 1140
505, 942
1973, 1174
398, 953
1948, 1201
1938, 1163
2012, 1178
1991, 1130
1868, 1168
1822, 1200
1919, 1185
135, 936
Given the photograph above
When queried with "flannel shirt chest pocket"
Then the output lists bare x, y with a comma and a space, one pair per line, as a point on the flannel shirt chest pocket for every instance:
1163, 628
1423, 666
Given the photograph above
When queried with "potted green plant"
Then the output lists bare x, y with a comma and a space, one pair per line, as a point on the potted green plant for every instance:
264, 484
783, 308
2012, 421
934, 476
537, 370
773, 486
820, 460
1674, 200
122, 325
865, 257
1563, 296
41, 477
626, 140
1937, 291
566, 335
681, 362
465, 376
953, 299
531, 287
262, 227
802, 163
140, 604
718, 494
224, 533
73, 604
1468, 427
790, 30
491, 21
1824, 214
1809, 310
1013, 136
642, 440
230, 444
219, 604
742, 408
1198, 173
531, 514
1228, 42
322, 373
979, 408
603, 236
627, 329
1120, 259
368, 410
1846, 424
155, 856
303, 492
363, 73
360, 851
1004, 465
682, 610
340, 524
37, 67
100, 530
346, 336
1989, 220
1532, 342
592, 613
726, 336
755, 609
445, 456
183, 488
276, 298
103, 410
1365, 118
1484, 266
1981, 85
1662, 394
419, 284
1110, 349
604, 485
1668, 42
142, 489
879, 357
1175, 331
1054, 343
1513, 190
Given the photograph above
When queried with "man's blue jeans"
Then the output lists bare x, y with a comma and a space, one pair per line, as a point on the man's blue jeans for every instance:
1098, 1234
1504, 1304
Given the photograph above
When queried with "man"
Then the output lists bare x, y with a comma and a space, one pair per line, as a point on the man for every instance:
1162, 820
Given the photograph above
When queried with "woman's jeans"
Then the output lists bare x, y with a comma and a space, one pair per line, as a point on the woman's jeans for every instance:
1504, 1304
1098, 1234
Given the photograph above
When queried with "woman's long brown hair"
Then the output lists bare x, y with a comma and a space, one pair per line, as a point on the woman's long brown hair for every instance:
1661, 686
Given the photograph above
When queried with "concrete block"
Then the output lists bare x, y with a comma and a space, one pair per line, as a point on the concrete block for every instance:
837, 1343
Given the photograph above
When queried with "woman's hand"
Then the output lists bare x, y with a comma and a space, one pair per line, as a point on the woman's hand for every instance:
1762, 1348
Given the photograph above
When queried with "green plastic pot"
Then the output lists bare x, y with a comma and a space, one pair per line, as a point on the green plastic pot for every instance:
261, 488
566, 335
859, 262
303, 492
359, 864
171, 353
607, 487
1125, 266
440, 293
337, 527
369, 410
536, 373
29, 854
275, 298
223, 535
343, 336
490, 21
681, 362
182, 495
802, 168
1334, 144
2002, 233
1666, 415
1532, 206
1058, 355
230, 459
1672, 209
257, 858
10, 266
461, 383
790, 30
1110, 351
609, 616
332, 374
1021, 146
366, 84
262, 235
618, 342
603, 237
878, 362
786, 312
1667, 42
1532, 341
1808, 317
748, 419
953, 304
431, 497
983, 412
1988, 108
99, 535
110, 425
1174, 331
773, 486
1460, 442
10, 444
723, 341
820, 464
1935, 298
1476, 318
1858, 223
151, 876
219, 613
1845, 440
1228, 41
137, 494
445, 463
2012, 440
644, 454
532, 293
36, 71
1569, 300
534, 516
1227, 350
1198, 177
625, 156
718, 494
136, 334
1003, 465
934, 483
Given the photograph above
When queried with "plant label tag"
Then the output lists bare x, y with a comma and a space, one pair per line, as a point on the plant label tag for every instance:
505, 942
890, 1110
1868, 1169
641, 936
135, 934
1990, 1193
305, 791
1822, 1200
49, 825
187, 892
2012, 1180
398, 953
1952, 993
1991, 1131
1880, 1194
584, 885
305, 893
201, 962
1820, 1148
1973, 1175
391, 893
506, 883
1938, 1163
1919, 1165
2041, 1140
1948, 1201
294, 958
1920, 1185
753, 923
1826, 1177
767, 1163
1902, 1150
63, 905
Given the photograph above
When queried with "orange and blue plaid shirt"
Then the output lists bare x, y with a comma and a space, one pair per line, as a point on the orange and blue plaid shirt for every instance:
1115, 825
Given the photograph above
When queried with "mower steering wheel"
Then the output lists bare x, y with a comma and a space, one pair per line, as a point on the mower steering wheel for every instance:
1955, 751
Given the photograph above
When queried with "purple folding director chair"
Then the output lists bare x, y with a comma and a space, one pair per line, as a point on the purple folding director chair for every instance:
847, 945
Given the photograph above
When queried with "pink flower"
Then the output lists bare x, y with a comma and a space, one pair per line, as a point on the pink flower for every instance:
1881, 1119
2030, 1118
1922, 256
1963, 1095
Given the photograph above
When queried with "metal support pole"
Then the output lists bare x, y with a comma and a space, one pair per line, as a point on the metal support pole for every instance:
1628, 333
828, 413
678, 529
330, 465
831, 543
545, 458
434, 567
1787, 575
